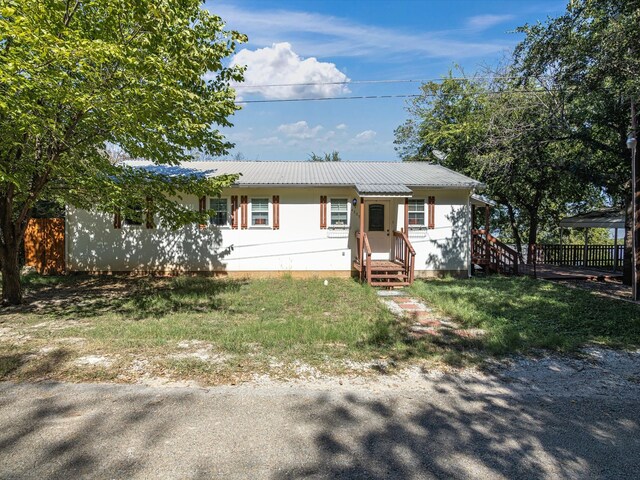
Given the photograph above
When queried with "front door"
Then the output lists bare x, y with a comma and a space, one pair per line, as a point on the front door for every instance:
377, 224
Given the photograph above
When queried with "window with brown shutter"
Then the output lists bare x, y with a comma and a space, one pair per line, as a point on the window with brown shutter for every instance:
276, 212
323, 211
431, 212
234, 212
243, 212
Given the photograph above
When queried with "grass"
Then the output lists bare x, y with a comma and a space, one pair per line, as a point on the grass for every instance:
245, 326
122, 328
520, 314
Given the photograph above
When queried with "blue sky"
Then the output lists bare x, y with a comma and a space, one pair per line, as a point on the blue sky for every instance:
325, 41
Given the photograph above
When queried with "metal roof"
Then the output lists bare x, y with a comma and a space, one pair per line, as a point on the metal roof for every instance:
390, 175
383, 189
605, 218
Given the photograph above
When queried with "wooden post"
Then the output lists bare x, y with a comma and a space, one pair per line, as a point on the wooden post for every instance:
473, 216
361, 239
486, 234
615, 250
406, 215
586, 247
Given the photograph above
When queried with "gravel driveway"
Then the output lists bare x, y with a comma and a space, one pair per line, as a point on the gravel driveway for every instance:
532, 420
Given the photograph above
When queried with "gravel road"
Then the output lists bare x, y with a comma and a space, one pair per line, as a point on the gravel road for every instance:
518, 422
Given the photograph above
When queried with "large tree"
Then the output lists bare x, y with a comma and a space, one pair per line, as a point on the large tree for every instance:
80, 76
507, 135
593, 51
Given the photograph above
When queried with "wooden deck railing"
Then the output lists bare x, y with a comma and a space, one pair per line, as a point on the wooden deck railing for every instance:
602, 256
405, 254
492, 254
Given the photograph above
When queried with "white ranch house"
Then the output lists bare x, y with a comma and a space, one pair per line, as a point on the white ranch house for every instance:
302, 218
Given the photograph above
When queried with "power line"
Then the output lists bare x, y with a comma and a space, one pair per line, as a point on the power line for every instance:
356, 82
319, 99
377, 97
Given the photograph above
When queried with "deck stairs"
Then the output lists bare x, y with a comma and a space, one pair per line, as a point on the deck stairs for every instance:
396, 272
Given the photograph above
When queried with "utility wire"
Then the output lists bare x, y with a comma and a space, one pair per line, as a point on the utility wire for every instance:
355, 82
377, 97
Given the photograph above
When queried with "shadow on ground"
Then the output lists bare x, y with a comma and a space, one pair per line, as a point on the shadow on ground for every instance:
450, 429
86, 296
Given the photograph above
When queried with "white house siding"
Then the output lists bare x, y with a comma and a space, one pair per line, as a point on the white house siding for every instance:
299, 245
444, 248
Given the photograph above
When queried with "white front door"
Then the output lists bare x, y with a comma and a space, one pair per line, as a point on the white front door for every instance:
377, 225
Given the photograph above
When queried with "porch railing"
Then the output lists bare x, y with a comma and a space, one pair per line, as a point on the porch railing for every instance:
597, 256
404, 254
363, 256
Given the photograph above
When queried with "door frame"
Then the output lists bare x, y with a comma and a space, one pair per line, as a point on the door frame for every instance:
377, 241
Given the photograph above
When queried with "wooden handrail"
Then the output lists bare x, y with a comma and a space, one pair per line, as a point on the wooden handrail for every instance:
405, 254
364, 252
493, 253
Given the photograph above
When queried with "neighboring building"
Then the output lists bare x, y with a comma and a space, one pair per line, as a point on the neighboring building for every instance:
294, 217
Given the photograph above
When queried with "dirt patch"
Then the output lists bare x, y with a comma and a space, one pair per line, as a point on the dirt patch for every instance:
610, 288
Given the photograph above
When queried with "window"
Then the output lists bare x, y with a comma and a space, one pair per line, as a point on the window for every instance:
376, 217
339, 212
416, 213
260, 212
133, 215
220, 217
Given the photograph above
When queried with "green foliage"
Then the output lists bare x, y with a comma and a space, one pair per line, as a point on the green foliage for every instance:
509, 136
79, 76
334, 156
593, 51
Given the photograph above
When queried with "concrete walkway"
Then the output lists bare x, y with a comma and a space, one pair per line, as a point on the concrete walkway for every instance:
455, 427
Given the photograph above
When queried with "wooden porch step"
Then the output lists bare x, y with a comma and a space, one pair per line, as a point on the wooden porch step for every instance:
389, 284
398, 276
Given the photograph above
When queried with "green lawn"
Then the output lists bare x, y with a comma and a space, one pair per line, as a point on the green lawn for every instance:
121, 328
522, 313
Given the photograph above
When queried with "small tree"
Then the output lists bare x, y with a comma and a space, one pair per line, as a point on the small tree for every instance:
334, 156
79, 75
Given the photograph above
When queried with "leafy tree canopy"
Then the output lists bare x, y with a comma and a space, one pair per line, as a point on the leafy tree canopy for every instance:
79, 75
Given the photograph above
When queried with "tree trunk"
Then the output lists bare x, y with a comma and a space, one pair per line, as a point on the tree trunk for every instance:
627, 263
11, 284
533, 235
514, 228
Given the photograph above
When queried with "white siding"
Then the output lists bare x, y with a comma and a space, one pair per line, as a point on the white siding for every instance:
299, 245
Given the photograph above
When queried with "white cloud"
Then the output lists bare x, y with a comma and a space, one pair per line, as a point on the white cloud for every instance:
364, 137
341, 126
279, 64
483, 22
315, 34
299, 130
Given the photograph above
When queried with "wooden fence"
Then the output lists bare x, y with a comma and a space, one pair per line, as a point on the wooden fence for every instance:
597, 256
44, 245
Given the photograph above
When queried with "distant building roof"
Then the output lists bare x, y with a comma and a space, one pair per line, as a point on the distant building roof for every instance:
372, 177
604, 218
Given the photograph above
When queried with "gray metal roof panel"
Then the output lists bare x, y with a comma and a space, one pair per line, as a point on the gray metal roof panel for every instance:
384, 189
410, 174
605, 218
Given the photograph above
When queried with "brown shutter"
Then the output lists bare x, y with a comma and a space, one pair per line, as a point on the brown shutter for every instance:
323, 211
276, 212
234, 212
243, 212
149, 213
202, 207
431, 222
117, 220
